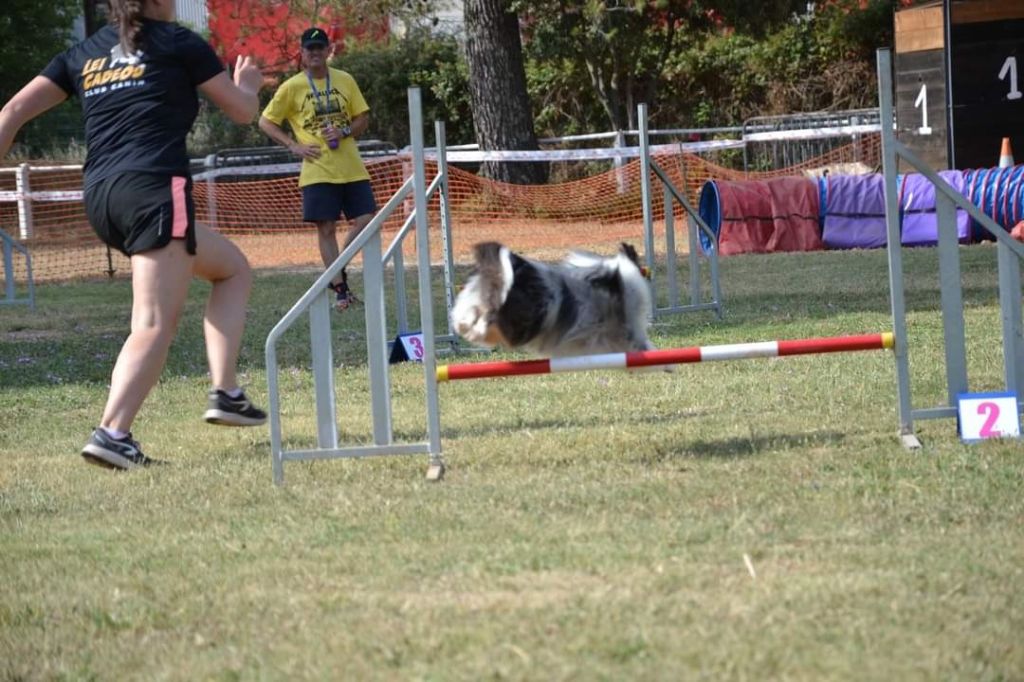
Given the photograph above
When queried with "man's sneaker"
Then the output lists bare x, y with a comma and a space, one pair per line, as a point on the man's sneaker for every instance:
112, 453
344, 296
228, 411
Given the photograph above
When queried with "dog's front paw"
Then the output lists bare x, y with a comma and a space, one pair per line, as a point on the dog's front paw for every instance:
470, 322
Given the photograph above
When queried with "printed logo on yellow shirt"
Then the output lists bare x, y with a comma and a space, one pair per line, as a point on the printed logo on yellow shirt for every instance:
327, 109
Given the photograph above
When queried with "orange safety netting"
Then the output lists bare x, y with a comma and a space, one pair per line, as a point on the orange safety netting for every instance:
264, 215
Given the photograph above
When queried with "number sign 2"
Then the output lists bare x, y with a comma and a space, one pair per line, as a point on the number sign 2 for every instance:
988, 415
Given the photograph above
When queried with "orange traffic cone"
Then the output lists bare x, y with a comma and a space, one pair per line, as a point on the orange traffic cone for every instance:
1006, 154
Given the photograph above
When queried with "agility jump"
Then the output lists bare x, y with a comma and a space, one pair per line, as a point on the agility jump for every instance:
668, 356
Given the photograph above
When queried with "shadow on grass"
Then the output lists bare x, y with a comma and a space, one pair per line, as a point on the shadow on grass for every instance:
574, 422
510, 428
729, 448
735, 448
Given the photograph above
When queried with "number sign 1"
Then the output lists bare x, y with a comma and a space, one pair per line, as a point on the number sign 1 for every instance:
922, 101
987, 415
1009, 71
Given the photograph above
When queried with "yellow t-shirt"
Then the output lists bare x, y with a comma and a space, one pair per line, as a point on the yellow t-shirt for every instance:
307, 113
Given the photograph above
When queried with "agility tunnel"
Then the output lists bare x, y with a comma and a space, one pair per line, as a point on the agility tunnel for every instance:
668, 356
848, 211
918, 221
853, 210
761, 216
999, 193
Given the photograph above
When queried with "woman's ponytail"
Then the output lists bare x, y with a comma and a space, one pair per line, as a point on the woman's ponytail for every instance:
127, 16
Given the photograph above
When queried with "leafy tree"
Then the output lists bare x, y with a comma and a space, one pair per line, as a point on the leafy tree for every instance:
277, 24
826, 60
758, 19
31, 32
698, 63
619, 49
385, 71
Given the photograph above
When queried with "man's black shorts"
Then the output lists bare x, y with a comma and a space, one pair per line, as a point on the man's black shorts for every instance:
327, 200
136, 212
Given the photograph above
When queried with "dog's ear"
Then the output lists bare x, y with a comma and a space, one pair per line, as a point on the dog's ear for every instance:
629, 252
494, 273
486, 252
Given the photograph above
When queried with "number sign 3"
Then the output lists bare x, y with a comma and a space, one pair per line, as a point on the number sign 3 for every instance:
413, 344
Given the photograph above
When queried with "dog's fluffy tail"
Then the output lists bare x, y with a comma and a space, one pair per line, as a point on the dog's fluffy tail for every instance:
624, 262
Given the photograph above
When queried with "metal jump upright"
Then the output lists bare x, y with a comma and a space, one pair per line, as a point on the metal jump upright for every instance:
1010, 252
439, 187
696, 226
10, 287
316, 301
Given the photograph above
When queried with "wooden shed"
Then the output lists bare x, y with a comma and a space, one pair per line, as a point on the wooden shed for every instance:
959, 67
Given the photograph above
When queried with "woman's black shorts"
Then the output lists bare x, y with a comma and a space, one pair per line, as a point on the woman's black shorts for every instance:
135, 212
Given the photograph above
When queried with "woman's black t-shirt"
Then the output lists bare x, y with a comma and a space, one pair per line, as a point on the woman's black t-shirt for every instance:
138, 108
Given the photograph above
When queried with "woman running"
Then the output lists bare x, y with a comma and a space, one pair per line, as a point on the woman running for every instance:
138, 81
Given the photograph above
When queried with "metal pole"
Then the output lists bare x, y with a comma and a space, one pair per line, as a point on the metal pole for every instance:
436, 468
323, 371
671, 266
645, 198
894, 251
446, 224
8, 271
951, 294
1010, 310
376, 340
23, 188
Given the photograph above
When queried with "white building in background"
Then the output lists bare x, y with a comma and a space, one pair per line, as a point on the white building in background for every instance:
444, 16
193, 13
449, 17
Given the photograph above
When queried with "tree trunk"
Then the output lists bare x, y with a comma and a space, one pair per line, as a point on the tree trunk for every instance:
91, 16
502, 118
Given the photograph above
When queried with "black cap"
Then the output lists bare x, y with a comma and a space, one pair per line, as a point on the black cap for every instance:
314, 37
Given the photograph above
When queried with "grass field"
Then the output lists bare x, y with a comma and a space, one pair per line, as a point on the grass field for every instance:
744, 521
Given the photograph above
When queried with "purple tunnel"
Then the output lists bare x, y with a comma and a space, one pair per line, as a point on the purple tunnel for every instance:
853, 211
919, 223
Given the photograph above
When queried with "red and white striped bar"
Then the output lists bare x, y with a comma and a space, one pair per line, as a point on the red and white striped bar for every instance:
668, 356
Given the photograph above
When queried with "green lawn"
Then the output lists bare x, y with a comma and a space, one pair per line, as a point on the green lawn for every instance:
744, 520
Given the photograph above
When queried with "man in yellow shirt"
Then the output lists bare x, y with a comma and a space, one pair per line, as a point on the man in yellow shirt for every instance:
326, 113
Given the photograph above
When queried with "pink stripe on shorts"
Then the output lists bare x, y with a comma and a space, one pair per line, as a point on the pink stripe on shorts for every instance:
179, 222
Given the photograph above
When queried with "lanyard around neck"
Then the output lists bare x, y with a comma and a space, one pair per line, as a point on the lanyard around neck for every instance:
326, 91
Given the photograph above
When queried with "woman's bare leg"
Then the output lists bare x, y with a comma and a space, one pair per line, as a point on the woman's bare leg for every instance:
160, 280
225, 266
